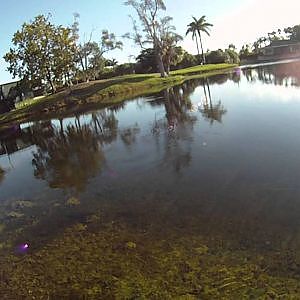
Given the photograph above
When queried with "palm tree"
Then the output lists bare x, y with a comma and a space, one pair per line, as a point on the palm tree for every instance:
193, 30
196, 27
111, 62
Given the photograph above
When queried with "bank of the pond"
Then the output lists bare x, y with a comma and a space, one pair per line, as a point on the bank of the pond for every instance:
107, 92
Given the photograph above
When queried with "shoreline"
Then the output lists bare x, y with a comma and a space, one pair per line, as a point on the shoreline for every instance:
106, 92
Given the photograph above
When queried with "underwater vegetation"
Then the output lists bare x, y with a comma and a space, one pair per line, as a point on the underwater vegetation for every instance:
110, 260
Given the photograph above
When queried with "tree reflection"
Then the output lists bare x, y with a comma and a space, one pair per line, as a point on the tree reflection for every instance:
286, 74
68, 157
178, 105
2, 173
173, 132
128, 135
211, 112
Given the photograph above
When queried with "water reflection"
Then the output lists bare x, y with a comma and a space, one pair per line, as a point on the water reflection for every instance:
287, 75
174, 132
68, 155
211, 112
14, 139
2, 173
185, 168
68, 158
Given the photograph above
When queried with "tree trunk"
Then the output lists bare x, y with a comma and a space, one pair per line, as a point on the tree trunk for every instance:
83, 62
198, 48
168, 69
167, 65
160, 65
61, 125
203, 56
208, 89
53, 88
70, 83
205, 93
48, 75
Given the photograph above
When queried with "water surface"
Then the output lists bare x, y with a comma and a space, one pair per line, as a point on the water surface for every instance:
216, 158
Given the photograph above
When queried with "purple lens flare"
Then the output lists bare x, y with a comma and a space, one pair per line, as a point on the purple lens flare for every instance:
23, 248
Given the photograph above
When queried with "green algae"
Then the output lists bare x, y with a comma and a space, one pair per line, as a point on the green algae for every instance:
73, 201
131, 245
100, 260
24, 204
2, 227
14, 214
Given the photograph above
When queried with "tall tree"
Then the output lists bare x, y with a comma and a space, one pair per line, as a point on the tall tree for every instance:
111, 62
90, 55
42, 52
172, 54
196, 27
193, 30
293, 33
156, 28
64, 51
232, 47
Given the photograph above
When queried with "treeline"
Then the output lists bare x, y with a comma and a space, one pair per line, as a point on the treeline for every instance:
253, 49
48, 57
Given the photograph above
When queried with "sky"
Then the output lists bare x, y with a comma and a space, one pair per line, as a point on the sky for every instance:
235, 21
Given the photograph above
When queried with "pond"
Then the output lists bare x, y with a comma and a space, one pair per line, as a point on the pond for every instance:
191, 192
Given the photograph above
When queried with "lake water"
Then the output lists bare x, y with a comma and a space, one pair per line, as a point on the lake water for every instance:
216, 158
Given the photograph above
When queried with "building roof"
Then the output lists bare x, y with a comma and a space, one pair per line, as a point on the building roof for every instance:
12, 83
282, 43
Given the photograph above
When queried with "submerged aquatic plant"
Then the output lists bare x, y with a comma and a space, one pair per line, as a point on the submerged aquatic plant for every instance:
73, 201
102, 260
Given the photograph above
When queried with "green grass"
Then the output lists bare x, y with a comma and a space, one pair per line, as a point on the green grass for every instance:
106, 92
28, 102
200, 69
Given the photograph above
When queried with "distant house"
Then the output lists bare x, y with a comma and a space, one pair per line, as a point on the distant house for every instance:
281, 49
12, 93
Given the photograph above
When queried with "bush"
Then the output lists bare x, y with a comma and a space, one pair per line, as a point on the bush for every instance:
124, 69
188, 60
217, 57
233, 56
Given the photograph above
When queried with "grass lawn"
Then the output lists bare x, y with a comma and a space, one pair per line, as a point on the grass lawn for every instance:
106, 92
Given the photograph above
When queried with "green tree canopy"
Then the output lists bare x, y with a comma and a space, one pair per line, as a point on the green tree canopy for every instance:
42, 53
90, 54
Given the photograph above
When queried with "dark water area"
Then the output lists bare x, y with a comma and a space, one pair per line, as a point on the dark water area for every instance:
216, 158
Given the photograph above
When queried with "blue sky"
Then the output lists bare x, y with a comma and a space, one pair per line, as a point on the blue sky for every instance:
236, 21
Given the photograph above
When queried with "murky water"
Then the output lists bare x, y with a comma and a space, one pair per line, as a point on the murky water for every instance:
216, 158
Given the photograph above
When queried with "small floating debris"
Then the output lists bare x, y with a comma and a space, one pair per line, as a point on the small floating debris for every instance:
14, 215
194, 108
73, 201
131, 245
